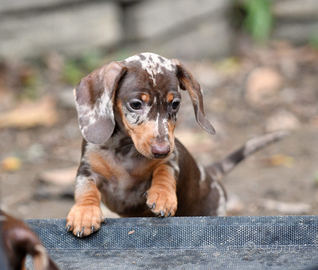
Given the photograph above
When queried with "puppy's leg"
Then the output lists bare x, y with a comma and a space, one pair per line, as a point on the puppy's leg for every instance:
85, 216
162, 197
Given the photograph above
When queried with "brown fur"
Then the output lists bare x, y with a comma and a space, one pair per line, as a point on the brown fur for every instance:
138, 170
19, 241
131, 160
162, 194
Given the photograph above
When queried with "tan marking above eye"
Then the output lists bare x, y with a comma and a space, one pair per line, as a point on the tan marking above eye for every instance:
144, 97
170, 97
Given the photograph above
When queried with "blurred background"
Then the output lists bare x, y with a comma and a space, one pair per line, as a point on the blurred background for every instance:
257, 62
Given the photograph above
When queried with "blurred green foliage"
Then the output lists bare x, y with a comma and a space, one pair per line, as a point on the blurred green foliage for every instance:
313, 42
30, 83
72, 72
77, 68
316, 177
259, 19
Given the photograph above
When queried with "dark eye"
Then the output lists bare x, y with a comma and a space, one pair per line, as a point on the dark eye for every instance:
175, 104
135, 104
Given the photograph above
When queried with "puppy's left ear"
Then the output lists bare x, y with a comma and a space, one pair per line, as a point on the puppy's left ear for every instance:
187, 82
94, 97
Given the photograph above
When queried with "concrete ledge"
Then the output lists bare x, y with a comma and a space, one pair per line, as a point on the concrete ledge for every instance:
279, 242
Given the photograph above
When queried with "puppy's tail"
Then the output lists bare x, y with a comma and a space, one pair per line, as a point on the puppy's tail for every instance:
220, 168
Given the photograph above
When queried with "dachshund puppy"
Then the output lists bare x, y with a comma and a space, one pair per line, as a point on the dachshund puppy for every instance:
131, 160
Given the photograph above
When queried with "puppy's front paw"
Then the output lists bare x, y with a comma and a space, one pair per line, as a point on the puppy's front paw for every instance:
84, 219
162, 202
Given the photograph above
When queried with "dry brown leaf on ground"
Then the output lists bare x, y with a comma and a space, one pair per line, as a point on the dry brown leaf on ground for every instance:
59, 176
282, 120
11, 164
56, 183
279, 160
314, 121
295, 208
31, 114
262, 85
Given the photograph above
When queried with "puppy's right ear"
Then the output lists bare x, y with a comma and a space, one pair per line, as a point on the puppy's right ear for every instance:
94, 98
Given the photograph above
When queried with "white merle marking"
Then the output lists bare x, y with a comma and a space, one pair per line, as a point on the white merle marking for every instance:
132, 117
87, 116
161, 127
165, 124
173, 162
81, 183
228, 165
221, 211
157, 124
202, 172
103, 107
135, 118
153, 63
201, 91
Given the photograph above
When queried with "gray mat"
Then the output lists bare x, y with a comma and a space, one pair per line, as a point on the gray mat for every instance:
281, 242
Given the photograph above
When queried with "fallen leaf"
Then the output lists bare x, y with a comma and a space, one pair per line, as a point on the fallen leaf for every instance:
280, 160
282, 120
314, 121
11, 164
55, 192
31, 114
59, 177
229, 66
286, 208
262, 85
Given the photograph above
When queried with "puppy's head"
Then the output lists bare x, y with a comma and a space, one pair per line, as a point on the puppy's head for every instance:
144, 90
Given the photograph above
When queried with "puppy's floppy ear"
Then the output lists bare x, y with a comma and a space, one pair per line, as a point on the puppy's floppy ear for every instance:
187, 82
94, 97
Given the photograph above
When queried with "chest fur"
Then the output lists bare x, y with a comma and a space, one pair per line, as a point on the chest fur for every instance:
121, 179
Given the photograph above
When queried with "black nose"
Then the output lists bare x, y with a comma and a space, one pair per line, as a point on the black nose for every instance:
160, 150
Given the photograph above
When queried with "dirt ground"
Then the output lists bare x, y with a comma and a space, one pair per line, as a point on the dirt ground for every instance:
266, 90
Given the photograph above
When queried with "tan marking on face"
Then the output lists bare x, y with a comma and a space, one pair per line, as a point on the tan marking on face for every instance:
171, 127
144, 135
144, 97
170, 97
